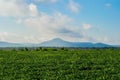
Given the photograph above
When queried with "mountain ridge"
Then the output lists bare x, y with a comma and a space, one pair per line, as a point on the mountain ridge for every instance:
56, 42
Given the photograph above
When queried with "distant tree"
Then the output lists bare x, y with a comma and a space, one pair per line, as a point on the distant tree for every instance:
62, 48
65, 49
37, 49
26, 49
13, 49
54, 49
45, 49
21, 49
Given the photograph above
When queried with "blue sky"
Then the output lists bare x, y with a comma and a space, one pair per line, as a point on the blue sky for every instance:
35, 21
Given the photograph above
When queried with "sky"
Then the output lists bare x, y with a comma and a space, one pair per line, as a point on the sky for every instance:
35, 21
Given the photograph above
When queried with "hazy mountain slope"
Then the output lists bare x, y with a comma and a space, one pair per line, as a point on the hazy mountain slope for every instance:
57, 42
61, 43
7, 44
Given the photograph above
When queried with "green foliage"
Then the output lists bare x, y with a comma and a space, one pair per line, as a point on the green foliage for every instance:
64, 49
54, 49
59, 64
45, 49
26, 49
39, 49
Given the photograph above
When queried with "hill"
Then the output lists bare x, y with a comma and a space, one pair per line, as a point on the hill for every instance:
57, 42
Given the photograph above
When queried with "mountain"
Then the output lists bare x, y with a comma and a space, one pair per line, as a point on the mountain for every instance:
57, 42
7, 44
117, 46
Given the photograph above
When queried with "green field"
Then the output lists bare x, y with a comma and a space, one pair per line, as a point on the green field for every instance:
60, 64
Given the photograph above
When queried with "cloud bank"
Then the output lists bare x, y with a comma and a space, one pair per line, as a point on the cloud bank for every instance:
73, 6
44, 26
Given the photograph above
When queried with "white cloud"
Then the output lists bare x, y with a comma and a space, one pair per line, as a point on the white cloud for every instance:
11, 8
33, 9
87, 26
103, 39
44, 26
7, 36
73, 6
51, 26
18, 38
52, 1
17, 8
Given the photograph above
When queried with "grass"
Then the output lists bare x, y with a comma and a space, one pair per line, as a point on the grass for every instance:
60, 64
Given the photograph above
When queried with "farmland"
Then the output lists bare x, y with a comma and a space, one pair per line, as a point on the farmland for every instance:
60, 64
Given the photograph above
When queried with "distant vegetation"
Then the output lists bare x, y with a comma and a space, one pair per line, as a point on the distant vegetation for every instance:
59, 64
